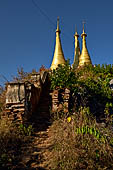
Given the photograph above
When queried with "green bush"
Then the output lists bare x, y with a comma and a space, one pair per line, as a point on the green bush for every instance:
62, 77
89, 86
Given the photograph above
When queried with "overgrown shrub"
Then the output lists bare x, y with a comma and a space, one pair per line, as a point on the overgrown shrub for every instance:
63, 77
89, 86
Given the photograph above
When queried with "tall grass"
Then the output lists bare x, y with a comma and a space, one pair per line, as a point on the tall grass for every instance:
81, 143
12, 137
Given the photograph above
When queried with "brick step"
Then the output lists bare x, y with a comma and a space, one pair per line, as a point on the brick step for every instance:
39, 114
44, 103
43, 114
43, 107
44, 98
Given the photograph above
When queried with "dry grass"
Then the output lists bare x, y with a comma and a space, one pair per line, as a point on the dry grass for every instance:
11, 141
80, 150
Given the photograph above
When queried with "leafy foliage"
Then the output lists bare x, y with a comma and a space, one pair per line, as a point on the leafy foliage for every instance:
25, 130
62, 77
89, 86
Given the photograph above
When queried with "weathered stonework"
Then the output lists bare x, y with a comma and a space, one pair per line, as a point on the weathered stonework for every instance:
66, 100
55, 101
15, 100
61, 103
23, 98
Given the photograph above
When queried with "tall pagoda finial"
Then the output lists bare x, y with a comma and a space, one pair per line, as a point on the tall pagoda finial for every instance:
58, 57
84, 57
75, 29
58, 24
76, 34
83, 25
77, 50
84, 29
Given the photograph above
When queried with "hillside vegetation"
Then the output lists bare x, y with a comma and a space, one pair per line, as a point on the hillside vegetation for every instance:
81, 138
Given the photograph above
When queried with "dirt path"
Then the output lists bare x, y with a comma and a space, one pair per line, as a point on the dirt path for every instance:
35, 155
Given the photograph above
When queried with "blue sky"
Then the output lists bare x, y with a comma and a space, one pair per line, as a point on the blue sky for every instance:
27, 37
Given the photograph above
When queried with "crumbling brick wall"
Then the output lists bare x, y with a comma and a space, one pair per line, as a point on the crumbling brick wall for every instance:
22, 97
15, 100
60, 100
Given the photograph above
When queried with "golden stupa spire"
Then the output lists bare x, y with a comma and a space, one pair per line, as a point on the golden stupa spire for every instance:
84, 58
58, 54
77, 50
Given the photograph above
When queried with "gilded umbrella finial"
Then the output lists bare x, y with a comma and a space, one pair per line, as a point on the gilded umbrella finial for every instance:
58, 24
84, 57
58, 57
83, 25
75, 28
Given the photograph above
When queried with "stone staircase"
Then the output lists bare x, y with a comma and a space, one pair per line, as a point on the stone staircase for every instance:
34, 156
41, 117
